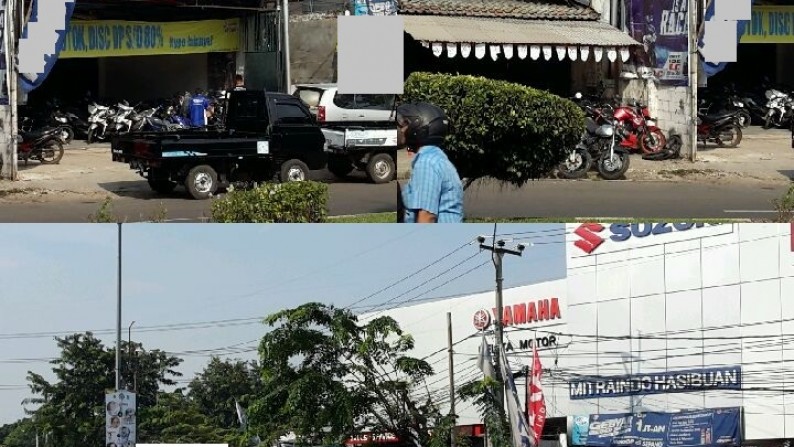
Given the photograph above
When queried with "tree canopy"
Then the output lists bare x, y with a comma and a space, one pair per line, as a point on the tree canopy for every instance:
326, 376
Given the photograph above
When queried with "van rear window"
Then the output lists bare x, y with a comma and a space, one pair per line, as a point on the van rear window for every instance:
309, 96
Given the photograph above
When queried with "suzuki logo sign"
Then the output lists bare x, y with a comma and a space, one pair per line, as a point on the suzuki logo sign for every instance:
589, 239
590, 234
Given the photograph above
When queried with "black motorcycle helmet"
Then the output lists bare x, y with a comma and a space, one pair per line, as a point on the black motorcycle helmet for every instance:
427, 124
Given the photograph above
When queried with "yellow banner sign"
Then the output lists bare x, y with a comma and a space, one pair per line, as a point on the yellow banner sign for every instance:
119, 38
770, 24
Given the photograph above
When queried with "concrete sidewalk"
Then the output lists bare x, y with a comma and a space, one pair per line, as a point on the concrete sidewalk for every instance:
763, 155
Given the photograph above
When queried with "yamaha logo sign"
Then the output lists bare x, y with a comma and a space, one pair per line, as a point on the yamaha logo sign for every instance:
529, 312
482, 320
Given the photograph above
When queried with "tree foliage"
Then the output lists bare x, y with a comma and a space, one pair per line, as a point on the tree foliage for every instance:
482, 394
326, 377
498, 129
215, 389
176, 419
71, 408
21, 433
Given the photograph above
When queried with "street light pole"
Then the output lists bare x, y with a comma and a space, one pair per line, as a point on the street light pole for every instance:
118, 321
499, 250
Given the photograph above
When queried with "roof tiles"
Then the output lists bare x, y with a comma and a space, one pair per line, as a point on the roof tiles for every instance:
505, 9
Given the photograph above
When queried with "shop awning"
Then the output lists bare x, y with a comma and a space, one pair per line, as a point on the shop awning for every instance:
534, 38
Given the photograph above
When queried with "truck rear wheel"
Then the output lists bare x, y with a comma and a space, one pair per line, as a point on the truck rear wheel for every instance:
381, 168
340, 166
294, 171
202, 182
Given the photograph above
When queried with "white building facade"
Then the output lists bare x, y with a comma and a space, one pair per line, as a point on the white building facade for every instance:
650, 318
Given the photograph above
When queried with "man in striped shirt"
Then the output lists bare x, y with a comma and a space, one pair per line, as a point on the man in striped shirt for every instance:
434, 193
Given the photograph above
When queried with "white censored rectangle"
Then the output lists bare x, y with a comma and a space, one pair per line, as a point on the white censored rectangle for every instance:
370, 54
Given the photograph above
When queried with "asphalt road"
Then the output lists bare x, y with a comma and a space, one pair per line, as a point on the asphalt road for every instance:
134, 205
576, 199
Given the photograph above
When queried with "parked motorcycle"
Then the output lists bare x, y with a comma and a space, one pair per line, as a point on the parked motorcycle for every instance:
727, 101
44, 146
599, 142
722, 129
637, 130
780, 109
99, 120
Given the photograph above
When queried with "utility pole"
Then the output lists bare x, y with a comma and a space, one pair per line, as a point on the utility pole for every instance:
694, 65
118, 321
9, 155
451, 380
285, 47
498, 251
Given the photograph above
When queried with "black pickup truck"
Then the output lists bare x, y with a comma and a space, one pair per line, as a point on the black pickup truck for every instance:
265, 135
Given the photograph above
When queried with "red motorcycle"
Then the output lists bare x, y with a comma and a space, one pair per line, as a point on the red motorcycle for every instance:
638, 130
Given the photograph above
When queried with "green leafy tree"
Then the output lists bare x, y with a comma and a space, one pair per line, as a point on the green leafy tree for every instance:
482, 394
215, 389
176, 419
326, 377
21, 433
501, 130
71, 408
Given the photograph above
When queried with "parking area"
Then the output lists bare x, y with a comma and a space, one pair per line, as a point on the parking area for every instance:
73, 189
764, 156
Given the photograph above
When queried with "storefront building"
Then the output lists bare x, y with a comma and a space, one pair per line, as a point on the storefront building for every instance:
636, 49
652, 321
126, 49
765, 47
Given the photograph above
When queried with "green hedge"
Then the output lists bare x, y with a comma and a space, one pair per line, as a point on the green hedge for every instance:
499, 129
293, 202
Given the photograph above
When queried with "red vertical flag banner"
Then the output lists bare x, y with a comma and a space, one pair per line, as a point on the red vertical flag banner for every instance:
536, 403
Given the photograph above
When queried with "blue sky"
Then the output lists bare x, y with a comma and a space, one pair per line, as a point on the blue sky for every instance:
62, 279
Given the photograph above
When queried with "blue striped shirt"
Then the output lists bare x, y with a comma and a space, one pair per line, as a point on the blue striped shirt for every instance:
435, 187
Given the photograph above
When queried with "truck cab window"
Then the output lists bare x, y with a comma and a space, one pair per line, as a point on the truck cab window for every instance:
292, 114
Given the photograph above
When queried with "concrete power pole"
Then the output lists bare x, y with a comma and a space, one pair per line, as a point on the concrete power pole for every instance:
9, 150
499, 250
451, 379
694, 65
287, 71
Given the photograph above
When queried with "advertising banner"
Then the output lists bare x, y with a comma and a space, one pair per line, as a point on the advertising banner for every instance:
3, 62
118, 38
770, 24
579, 429
723, 378
375, 7
120, 419
30, 81
661, 27
697, 428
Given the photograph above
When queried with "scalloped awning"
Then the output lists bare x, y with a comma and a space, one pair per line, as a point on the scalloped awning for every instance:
575, 40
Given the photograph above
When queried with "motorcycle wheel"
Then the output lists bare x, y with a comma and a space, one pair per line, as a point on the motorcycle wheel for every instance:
90, 137
768, 121
52, 153
733, 134
576, 165
657, 143
613, 168
67, 134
